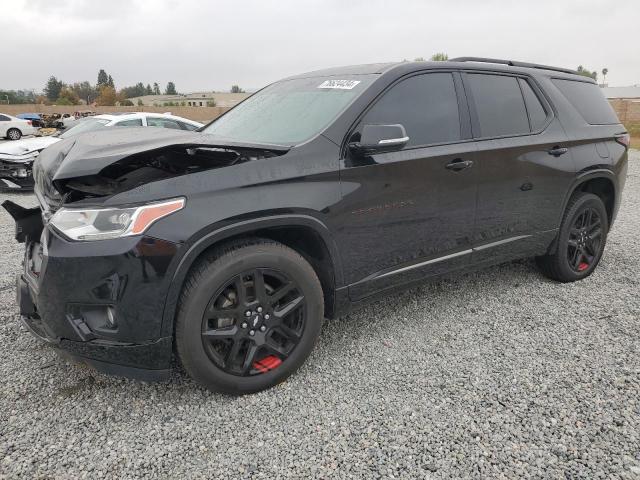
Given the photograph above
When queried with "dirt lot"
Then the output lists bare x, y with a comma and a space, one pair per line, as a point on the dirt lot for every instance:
495, 374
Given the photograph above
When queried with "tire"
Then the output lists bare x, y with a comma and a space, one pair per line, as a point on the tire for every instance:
579, 245
14, 134
215, 338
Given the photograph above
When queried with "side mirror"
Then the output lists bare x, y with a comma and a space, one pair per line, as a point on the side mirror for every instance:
380, 139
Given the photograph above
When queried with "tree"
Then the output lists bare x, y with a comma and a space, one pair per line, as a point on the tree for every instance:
103, 78
156, 88
140, 103
85, 91
586, 73
107, 96
138, 90
439, 57
67, 97
171, 89
604, 74
126, 103
236, 89
110, 82
16, 97
418, 59
52, 88
148, 90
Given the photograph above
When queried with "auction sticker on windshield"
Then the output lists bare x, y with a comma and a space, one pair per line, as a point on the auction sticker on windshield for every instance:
340, 84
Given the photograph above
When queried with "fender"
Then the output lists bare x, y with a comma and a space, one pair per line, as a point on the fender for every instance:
207, 240
585, 176
582, 177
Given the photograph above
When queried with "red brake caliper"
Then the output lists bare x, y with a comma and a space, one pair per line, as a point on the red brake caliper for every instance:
583, 266
267, 363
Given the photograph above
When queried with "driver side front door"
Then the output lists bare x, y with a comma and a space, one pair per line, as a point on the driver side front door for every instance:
409, 214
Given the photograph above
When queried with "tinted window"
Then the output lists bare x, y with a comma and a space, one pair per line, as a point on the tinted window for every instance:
162, 122
426, 105
134, 122
537, 113
4, 118
86, 125
188, 126
588, 100
499, 105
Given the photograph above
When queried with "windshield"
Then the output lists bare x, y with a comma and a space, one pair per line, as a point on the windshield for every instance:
86, 125
291, 111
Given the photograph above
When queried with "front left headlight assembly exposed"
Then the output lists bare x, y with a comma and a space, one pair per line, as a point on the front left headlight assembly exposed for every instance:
105, 223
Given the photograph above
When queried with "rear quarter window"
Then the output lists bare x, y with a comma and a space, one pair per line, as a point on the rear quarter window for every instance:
588, 100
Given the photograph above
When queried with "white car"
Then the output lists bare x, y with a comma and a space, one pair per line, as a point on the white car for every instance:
14, 128
16, 158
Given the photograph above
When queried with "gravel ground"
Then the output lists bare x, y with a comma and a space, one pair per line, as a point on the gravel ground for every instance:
500, 373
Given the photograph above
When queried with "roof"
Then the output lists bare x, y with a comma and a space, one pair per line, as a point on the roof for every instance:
622, 92
466, 63
364, 69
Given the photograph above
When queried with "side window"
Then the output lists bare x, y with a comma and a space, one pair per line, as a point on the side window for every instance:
134, 122
188, 126
588, 100
537, 113
162, 122
426, 105
4, 118
499, 105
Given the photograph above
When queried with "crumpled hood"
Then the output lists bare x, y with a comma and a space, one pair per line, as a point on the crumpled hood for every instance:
89, 153
26, 145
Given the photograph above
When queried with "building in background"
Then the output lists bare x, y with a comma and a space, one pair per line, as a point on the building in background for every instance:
196, 99
622, 93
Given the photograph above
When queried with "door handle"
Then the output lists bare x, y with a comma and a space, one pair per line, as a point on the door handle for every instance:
459, 164
557, 151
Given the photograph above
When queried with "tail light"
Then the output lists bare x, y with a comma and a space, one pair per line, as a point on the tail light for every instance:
29, 122
624, 140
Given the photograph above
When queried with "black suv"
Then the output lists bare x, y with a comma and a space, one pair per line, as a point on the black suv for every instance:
229, 246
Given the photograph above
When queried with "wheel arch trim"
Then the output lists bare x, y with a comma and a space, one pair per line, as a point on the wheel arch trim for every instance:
586, 176
239, 228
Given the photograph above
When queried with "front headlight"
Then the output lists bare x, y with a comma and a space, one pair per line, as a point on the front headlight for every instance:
104, 223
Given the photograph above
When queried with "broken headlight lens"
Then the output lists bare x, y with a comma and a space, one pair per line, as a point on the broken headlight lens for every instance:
104, 223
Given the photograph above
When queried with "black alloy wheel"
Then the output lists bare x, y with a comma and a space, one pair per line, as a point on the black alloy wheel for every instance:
584, 240
580, 242
249, 315
254, 322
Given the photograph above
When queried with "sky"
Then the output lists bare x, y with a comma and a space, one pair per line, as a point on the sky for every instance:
211, 45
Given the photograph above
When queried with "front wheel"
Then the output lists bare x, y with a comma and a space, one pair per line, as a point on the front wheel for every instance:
14, 134
581, 240
249, 316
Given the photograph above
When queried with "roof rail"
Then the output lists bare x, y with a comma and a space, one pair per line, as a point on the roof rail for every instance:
511, 63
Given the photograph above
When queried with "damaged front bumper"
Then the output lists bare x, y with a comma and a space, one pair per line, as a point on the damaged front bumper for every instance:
101, 302
16, 174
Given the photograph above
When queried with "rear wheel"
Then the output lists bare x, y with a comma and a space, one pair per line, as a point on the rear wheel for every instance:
14, 134
249, 316
581, 240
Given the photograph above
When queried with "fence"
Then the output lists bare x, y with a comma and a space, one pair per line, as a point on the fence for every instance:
199, 114
628, 110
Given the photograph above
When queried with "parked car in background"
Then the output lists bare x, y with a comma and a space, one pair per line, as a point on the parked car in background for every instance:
16, 158
35, 118
15, 128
